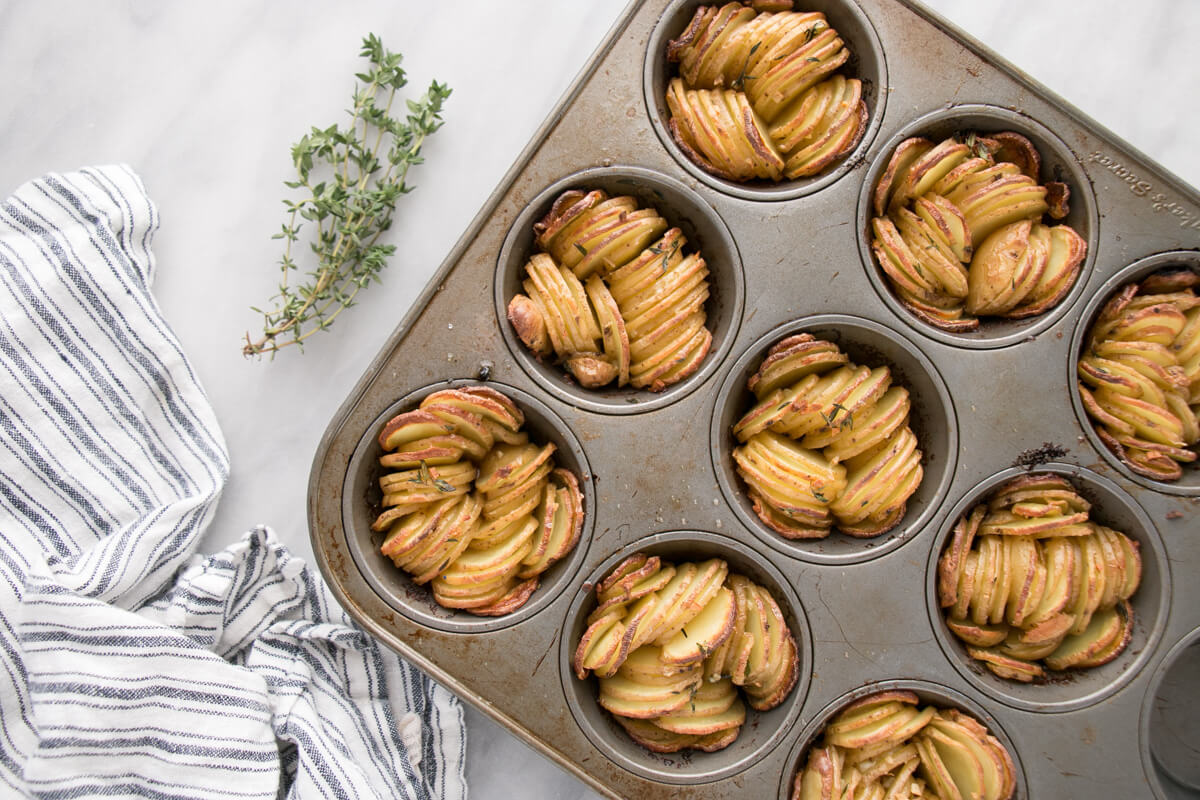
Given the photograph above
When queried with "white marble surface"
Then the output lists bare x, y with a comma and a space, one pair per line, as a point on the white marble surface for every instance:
204, 100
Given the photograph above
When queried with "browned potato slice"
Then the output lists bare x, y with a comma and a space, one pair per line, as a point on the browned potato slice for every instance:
896, 172
820, 778
792, 359
1007, 667
612, 327
835, 133
926, 170
687, 604
1104, 627
704, 633
664, 604
955, 761
952, 560
1060, 558
714, 707
602, 645
448, 540
412, 426
612, 247
570, 244
626, 698
1063, 265
657, 740
1118, 643
977, 635
792, 75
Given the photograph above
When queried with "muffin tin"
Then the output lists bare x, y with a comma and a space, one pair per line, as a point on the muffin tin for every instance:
656, 472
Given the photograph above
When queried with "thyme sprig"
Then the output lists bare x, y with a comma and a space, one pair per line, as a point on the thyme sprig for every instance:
350, 178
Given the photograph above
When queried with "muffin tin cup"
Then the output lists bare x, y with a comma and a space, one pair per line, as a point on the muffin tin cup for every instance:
705, 232
932, 419
762, 731
1170, 723
1069, 690
1189, 484
1059, 163
930, 693
866, 63
360, 504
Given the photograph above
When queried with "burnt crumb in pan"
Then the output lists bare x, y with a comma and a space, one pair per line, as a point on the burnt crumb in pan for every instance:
1037, 456
615, 294
760, 93
959, 231
1139, 374
471, 506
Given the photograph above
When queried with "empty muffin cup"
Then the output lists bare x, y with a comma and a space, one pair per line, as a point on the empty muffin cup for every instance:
1170, 725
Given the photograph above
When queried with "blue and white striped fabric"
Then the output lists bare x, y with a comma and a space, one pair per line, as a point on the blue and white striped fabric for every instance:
129, 666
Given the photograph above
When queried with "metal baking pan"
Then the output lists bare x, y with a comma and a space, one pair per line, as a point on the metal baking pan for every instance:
656, 469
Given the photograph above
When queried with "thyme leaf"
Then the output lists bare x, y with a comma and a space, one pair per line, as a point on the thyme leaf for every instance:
739, 83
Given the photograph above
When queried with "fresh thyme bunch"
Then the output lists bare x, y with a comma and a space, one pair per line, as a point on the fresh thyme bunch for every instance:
351, 177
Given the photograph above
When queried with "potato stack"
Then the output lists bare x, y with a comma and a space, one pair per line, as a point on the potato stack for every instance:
887, 747
613, 294
1029, 582
758, 96
827, 443
472, 506
1140, 374
958, 230
672, 644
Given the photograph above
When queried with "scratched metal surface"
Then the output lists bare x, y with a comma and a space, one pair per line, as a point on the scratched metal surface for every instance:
657, 468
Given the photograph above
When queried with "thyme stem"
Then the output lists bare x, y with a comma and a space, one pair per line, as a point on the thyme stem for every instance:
351, 186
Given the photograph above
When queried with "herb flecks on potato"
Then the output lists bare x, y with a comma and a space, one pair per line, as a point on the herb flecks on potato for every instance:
676, 647
758, 95
827, 443
473, 508
613, 294
958, 230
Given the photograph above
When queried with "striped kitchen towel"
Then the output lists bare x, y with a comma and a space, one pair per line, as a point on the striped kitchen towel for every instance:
129, 666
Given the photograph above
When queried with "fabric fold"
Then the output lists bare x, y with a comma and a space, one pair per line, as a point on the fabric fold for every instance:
130, 665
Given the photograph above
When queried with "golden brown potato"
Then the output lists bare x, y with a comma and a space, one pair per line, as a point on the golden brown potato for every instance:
1029, 582
958, 231
758, 95
888, 745
471, 507
671, 645
827, 444
614, 296
1139, 374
